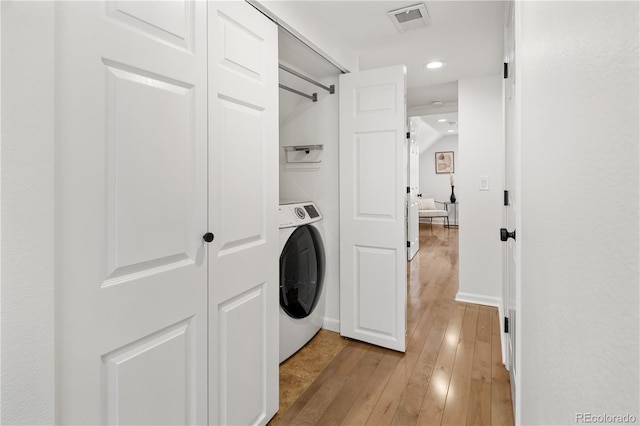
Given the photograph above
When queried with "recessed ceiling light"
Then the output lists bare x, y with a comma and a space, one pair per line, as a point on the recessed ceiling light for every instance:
437, 103
442, 120
450, 131
433, 65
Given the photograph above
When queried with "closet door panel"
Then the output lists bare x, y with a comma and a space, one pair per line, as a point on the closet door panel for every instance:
242, 222
373, 285
131, 203
243, 209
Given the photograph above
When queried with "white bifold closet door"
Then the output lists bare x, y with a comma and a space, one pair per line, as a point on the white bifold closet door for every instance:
373, 251
153, 325
413, 186
243, 213
511, 259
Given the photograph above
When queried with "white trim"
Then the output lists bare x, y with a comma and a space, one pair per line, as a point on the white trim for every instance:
517, 129
296, 34
331, 324
503, 335
479, 299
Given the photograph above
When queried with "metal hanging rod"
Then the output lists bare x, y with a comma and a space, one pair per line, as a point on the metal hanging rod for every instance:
331, 89
313, 97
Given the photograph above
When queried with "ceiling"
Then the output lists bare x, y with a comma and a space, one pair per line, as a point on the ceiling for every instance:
467, 35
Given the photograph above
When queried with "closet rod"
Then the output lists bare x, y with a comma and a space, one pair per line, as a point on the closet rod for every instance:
331, 89
313, 97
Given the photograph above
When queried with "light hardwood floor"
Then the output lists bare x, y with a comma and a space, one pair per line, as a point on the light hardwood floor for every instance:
451, 373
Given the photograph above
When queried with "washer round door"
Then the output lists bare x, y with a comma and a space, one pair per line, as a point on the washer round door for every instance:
301, 272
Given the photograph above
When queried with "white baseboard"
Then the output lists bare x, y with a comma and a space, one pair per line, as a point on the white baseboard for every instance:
478, 299
331, 324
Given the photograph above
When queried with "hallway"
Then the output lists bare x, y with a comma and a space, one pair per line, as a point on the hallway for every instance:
451, 373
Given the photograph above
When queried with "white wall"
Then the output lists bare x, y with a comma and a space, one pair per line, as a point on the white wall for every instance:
579, 323
433, 185
427, 135
27, 371
313, 35
312, 123
481, 153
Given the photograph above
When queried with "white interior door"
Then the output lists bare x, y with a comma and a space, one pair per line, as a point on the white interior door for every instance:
413, 183
373, 288
511, 179
243, 215
131, 209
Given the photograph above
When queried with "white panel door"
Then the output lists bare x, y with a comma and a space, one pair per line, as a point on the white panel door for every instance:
373, 288
413, 183
243, 215
511, 213
131, 203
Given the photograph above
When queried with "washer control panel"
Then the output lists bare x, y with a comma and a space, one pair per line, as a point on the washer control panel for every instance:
297, 214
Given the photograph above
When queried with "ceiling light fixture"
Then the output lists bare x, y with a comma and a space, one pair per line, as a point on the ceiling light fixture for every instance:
434, 65
450, 131
437, 103
442, 120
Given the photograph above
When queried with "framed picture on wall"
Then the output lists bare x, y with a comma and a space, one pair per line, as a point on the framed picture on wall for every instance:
444, 162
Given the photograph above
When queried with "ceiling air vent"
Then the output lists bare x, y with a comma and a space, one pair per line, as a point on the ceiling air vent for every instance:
410, 17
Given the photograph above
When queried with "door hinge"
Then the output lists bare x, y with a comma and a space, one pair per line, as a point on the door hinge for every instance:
506, 324
408, 189
408, 135
408, 244
506, 197
505, 70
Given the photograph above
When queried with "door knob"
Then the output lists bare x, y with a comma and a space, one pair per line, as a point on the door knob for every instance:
505, 235
208, 237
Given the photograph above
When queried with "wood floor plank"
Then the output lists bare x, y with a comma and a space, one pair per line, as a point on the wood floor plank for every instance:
311, 412
479, 406
359, 350
409, 408
436, 395
298, 372
435, 398
458, 394
469, 323
452, 335
455, 408
414, 285
483, 330
452, 372
416, 340
413, 319
386, 406
482, 357
345, 356
340, 406
482, 363
371, 391
501, 405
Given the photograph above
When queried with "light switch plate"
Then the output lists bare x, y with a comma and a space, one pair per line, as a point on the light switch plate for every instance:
484, 183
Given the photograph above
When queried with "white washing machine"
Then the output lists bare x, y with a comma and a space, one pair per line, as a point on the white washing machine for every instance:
302, 263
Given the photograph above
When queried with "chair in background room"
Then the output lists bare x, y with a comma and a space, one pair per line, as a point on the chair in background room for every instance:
427, 210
